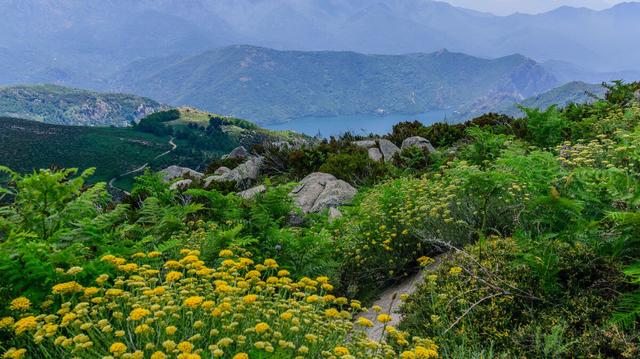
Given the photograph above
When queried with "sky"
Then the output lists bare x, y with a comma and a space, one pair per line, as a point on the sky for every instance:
506, 7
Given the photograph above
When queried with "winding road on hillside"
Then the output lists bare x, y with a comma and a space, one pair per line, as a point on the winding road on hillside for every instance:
141, 168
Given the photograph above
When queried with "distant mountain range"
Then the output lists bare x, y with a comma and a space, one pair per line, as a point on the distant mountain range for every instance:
83, 42
70, 106
267, 85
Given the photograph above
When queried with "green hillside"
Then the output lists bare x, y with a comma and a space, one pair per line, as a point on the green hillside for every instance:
268, 85
26, 145
70, 106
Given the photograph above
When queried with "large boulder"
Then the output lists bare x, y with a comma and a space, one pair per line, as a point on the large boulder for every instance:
174, 172
181, 185
238, 153
221, 170
365, 143
375, 154
417, 141
243, 174
637, 93
252, 192
388, 149
320, 191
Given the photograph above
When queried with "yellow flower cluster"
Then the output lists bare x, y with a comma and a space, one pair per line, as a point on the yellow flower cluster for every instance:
184, 309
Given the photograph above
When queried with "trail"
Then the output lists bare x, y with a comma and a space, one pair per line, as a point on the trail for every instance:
390, 302
141, 168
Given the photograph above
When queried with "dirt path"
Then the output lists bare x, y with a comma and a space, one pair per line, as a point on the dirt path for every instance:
390, 302
141, 168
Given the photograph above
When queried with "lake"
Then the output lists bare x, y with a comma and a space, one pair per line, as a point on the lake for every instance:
356, 124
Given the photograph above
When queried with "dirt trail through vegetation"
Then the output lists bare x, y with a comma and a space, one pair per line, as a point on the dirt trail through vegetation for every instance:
390, 302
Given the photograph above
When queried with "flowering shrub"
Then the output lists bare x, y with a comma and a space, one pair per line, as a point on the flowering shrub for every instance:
181, 308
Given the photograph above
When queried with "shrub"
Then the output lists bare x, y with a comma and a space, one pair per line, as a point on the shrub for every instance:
355, 167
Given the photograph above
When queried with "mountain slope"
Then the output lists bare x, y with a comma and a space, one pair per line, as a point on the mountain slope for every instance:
82, 43
69, 106
268, 85
572, 92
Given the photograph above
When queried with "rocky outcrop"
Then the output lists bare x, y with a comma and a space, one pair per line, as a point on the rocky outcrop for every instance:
637, 93
244, 173
181, 185
417, 141
388, 149
221, 170
365, 143
375, 154
174, 172
319, 191
252, 192
238, 153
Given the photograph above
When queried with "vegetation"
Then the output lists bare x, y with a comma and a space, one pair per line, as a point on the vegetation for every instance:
526, 232
68, 106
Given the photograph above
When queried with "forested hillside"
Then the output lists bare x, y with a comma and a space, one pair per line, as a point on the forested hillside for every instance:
267, 85
69, 106
523, 232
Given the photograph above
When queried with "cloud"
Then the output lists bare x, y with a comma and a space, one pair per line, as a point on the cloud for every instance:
506, 7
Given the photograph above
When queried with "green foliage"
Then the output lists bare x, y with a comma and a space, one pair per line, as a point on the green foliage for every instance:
356, 167
548, 128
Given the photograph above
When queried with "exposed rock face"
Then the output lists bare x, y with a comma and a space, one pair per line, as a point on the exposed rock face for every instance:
375, 154
222, 170
252, 192
246, 172
365, 143
417, 141
172, 172
319, 191
637, 93
388, 149
181, 185
238, 152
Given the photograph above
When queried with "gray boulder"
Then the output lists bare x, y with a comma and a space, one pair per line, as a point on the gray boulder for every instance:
244, 173
173, 172
388, 149
319, 191
334, 214
417, 141
375, 154
238, 153
221, 170
365, 143
252, 192
181, 185
637, 93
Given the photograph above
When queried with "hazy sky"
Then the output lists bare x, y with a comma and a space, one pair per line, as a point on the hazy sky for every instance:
505, 7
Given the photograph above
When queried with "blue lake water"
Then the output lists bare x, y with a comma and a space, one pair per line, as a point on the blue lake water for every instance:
356, 124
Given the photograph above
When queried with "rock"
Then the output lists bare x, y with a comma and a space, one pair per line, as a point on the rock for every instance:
637, 93
172, 172
388, 149
222, 170
334, 214
417, 141
375, 154
245, 172
181, 185
365, 143
238, 153
252, 192
319, 191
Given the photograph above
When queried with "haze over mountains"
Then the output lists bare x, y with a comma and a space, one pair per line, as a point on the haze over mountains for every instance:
184, 52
